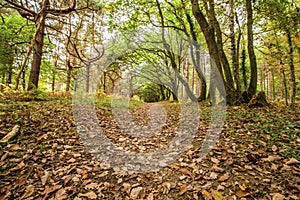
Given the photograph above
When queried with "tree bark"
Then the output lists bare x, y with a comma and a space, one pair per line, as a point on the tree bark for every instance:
292, 70
234, 48
285, 86
252, 57
195, 55
38, 47
219, 58
244, 69
69, 72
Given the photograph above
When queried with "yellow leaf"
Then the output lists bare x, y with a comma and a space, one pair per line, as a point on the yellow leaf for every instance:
216, 195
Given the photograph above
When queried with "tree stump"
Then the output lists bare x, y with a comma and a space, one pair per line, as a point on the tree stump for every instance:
258, 100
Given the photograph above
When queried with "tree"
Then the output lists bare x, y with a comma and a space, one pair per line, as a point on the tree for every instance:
285, 20
253, 65
38, 12
15, 34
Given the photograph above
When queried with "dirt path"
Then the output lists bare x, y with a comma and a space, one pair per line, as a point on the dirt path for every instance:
256, 157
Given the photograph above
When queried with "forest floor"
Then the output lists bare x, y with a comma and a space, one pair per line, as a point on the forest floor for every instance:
256, 156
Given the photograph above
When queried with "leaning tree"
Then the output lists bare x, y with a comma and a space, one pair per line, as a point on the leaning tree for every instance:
38, 12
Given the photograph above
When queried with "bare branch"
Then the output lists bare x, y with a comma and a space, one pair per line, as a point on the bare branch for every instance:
63, 10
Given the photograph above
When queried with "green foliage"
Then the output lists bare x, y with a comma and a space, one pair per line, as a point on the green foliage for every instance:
149, 92
15, 35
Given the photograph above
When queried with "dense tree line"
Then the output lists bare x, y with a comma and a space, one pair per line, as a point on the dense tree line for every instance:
180, 45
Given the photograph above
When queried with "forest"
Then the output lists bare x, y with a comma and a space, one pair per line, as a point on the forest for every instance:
150, 99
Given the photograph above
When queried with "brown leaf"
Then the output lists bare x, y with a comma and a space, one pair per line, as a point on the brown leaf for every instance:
251, 158
20, 181
166, 187
45, 177
278, 196
183, 189
61, 194
206, 195
135, 192
292, 161
89, 195
224, 177
274, 148
213, 176
15, 147
29, 190
215, 160
242, 193
185, 171
19, 166
150, 196
49, 190
217, 169
91, 186
271, 158
127, 188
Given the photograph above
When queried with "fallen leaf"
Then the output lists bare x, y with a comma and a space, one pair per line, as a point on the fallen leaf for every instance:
89, 195
278, 196
206, 195
15, 147
19, 166
274, 148
20, 181
216, 195
183, 189
61, 194
29, 190
127, 188
49, 190
91, 186
217, 169
150, 196
185, 171
242, 193
103, 174
271, 158
220, 187
213, 176
135, 192
45, 177
292, 161
215, 160
224, 177
166, 187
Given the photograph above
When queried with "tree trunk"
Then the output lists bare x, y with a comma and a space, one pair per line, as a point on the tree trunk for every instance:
195, 55
220, 50
244, 69
162, 91
53, 82
292, 70
38, 47
252, 57
87, 78
69, 72
23, 80
285, 87
9, 75
216, 56
234, 55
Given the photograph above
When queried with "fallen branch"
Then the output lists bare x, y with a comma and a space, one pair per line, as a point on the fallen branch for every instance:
11, 134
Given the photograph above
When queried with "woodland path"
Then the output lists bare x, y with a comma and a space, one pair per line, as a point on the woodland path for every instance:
256, 157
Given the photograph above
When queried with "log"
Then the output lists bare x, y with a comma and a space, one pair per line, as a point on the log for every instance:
11, 134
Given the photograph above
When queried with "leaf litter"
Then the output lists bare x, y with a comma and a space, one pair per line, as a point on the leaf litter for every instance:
257, 156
